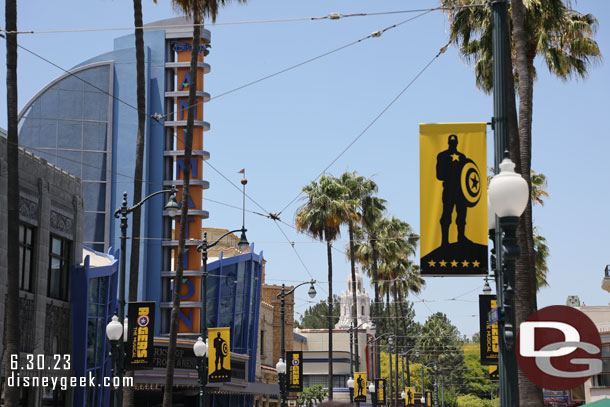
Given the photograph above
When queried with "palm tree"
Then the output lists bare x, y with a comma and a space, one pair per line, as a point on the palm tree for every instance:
321, 217
541, 251
11, 396
134, 258
367, 254
197, 9
563, 38
357, 188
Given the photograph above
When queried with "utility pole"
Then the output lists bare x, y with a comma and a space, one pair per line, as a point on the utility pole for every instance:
507, 363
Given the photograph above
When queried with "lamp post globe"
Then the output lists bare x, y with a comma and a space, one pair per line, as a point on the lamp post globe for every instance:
350, 383
508, 191
486, 287
312, 291
125, 329
403, 395
114, 329
243, 244
280, 366
422, 399
172, 206
372, 388
200, 348
491, 215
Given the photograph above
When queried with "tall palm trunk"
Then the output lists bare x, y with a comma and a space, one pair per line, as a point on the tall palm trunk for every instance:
396, 336
188, 150
134, 259
376, 307
525, 277
330, 318
387, 326
11, 396
352, 256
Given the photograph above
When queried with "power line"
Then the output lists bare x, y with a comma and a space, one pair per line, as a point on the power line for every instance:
375, 34
330, 16
385, 109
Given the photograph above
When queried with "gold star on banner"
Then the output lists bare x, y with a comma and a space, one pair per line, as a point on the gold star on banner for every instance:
475, 263
454, 263
442, 263
465, 263
431, 263
455, 157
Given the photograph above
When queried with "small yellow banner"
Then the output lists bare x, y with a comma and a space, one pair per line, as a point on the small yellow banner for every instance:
219, 351
410, 396
360, 386
453, 199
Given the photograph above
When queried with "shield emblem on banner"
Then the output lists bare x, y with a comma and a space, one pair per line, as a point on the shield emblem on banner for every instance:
470, 183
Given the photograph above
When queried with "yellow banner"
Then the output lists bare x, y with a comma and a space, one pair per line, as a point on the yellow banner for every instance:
410, 393
453, 199
219, 351
359, 386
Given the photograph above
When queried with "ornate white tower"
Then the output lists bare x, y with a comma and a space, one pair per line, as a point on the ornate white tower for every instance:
363, 305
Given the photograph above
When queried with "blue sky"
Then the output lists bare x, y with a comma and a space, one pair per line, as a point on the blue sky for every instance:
287, 129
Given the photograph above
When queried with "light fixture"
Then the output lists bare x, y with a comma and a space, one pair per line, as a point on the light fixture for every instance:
508, 191
243, 244
125, 329
491, 215
280, 366
200, 348
403, 395
114, 329
312, 291
350, 383
172, 206
486, 287
391, 340
422, 399
372, 388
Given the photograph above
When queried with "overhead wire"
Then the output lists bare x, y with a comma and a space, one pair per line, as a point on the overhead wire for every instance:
270, 215
385, 109
150, 27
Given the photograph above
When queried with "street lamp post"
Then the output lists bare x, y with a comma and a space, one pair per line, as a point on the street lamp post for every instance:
114, 330
390, 342
281, 365
121, 213
203, 315
351, 330
508, 196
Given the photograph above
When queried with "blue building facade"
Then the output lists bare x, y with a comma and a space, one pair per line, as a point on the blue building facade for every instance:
93, 298
86, 122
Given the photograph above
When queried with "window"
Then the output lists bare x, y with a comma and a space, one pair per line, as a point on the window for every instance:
26, 257
262, 343
59, 265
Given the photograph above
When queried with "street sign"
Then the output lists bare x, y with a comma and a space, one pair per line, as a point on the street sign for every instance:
494, 315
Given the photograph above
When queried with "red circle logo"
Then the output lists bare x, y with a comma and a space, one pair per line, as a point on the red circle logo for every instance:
559, 348
143, 320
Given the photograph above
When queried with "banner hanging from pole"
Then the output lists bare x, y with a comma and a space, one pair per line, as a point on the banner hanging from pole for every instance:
219, 362
453, 199
141, 331
359, 386
379, 397
488, 332
295, 371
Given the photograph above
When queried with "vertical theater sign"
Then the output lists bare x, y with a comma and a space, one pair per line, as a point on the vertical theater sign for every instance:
453, 199
178, 82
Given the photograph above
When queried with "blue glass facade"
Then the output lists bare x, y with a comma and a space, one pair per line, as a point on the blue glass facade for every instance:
93, 300
69, 124
233, 298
